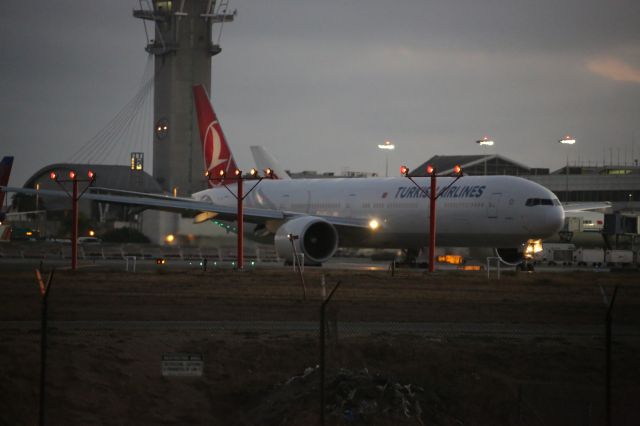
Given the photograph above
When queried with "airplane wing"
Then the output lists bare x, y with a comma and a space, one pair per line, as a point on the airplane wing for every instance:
580, 207
184, 205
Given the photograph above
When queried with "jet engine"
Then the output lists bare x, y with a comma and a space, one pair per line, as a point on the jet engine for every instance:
510, 256
312, 236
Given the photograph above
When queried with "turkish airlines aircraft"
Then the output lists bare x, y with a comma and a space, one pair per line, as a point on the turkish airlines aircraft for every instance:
505, 212
476, 211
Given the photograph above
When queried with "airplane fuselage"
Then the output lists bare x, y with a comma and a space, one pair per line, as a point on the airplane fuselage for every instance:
480, 211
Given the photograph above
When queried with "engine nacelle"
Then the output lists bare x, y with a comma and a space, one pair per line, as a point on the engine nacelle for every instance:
312, 236
511, 256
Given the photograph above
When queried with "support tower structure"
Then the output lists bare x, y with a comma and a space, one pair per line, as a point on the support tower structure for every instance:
182, 46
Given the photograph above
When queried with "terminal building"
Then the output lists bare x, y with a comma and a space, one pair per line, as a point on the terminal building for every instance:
618, 184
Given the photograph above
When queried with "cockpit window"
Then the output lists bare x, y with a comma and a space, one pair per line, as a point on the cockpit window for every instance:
540, 202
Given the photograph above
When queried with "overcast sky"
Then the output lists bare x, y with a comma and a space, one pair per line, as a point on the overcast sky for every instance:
321, 83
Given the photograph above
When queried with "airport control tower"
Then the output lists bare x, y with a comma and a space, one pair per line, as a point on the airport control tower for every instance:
179, 35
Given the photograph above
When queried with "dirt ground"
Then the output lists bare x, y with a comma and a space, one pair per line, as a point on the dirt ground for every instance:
527, 349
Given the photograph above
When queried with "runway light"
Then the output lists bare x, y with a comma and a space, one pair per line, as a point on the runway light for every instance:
268, 172
72, 174
253, 172
53, 175
238, 172
92, 233
206, 172
404, 170
374, 224
430, 169
222, 173
457, 169
90, 174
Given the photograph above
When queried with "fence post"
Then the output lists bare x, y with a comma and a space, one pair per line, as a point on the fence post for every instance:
323, 307
44, 292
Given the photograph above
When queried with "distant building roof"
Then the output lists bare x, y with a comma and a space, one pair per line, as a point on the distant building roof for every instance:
107, 176
473, 165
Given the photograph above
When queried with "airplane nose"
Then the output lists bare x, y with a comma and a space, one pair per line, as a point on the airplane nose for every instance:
554, 219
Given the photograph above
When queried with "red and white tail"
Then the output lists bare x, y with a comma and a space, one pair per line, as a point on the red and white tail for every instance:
5, 172
217, 154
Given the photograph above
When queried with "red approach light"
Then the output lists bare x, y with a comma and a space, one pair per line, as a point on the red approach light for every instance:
72, 174
404, 170
90, 174
53, 175
457, 169
430, 169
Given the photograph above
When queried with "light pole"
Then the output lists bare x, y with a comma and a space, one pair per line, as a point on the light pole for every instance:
568, 141
75, 197
431, 194
485, 141
239, 195
386, 146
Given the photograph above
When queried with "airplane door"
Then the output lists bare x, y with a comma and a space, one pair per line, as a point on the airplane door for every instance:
351, 204
492, 206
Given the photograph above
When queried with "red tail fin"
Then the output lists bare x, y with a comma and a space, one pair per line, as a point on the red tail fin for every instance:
217, 155
5, 172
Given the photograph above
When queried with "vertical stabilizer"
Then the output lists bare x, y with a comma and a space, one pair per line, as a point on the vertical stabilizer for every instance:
5, 172
265, 160
217, 155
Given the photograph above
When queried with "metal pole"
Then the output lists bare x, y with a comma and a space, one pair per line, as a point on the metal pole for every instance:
566, 169
240, 224
44, 289
386, 164
74, 226
608, 356
323, 307
43, 357
432, 223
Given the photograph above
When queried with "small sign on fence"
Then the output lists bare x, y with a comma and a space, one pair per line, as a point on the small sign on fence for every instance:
182, 365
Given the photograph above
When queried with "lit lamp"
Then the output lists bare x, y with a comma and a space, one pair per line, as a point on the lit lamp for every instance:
567, 141
485, 141
386, 146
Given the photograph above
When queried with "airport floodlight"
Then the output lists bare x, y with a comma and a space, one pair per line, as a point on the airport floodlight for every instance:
238, 172
253, 172
268, 172
567, 140
72, 174
404, 170
53, 175
374, 224
206, 173
430, 170
387, 145
92, 233
485, 141
222, 173
457, 169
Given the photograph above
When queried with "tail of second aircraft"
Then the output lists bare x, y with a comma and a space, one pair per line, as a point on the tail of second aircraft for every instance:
5, 172
217, 154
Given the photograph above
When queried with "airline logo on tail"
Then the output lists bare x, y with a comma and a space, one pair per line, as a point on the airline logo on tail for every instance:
217, 155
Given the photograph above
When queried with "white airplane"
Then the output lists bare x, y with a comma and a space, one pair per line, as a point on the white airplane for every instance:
504, 212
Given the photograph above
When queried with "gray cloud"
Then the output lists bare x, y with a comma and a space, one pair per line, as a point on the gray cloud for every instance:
321, 83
